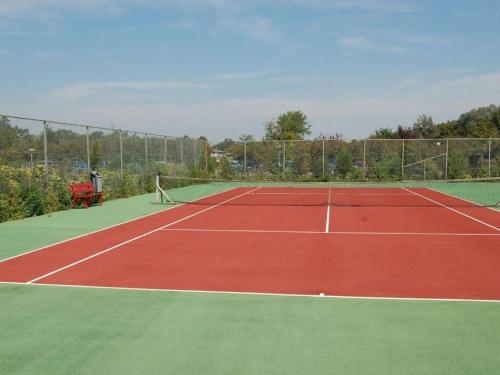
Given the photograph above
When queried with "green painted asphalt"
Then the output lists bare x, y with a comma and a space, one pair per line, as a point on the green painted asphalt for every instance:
54, 330
63, 330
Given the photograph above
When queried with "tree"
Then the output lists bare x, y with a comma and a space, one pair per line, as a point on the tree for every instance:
288, 126
344, 162
383, 133
95, 155
246, 138
403, 132
424, 127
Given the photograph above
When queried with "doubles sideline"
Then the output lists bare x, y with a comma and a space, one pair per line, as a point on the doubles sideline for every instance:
137, 237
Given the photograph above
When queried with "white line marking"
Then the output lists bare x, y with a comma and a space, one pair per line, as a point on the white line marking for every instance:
272, 193
463, 199
334, 232
452, 209
327, 224
111, 226
264, 294
136, 238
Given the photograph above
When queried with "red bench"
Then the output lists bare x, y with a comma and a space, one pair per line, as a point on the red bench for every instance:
85, 194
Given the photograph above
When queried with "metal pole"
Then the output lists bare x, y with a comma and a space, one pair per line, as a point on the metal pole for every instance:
121, 155
446, 166
323, 157
206, 157
245, 157
424, 170
146, 150
489, 157
45, 150
88, 151
364, 158
182, 159
403, 160
165, 150
194, 151
284, 157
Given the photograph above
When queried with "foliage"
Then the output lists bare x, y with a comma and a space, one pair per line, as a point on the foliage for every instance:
344, 163
290, 125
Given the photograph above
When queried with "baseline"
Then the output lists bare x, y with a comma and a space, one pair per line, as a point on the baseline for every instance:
295, 295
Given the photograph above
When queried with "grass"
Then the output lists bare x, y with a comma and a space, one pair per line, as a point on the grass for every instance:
61, 330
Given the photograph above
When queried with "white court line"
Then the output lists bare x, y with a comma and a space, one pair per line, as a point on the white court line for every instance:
271, 193
330, 233
111, 226
476, 205
452, 209
136, 238
263, 294
327, 224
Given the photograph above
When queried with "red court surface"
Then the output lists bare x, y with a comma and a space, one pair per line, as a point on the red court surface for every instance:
370, 242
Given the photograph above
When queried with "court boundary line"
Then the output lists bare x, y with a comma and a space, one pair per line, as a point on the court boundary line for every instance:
263, 231
454, 210
476, 205
263, 294
135, 238
111, 226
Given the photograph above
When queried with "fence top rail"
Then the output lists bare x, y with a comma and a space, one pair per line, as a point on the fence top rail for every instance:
254, 141
89, 126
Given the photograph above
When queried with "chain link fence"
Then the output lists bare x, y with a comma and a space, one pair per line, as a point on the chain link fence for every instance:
74, 150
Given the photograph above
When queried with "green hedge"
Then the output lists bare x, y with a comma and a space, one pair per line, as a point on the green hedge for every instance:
26, 192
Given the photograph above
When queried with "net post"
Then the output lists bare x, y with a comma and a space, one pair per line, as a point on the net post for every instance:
323, 156
489, 157
403, 160
446, 160
157, 184
245, 157
88, 149
121, 155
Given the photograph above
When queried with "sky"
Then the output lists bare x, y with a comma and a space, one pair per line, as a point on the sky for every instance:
223, 68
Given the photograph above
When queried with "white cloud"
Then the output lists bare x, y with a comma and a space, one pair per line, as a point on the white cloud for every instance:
217, 118
363, 43
88, 89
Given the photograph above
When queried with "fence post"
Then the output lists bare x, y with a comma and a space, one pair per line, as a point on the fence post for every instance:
88, 150
146, 150
45, 151
206, 157
165, 150
245, 157
182, 159
194, 151
364, 159
403, 160
323, 156
121, 155
284, 157
446, 160
489, 157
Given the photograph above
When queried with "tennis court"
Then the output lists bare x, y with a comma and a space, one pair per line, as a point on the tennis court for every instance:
373, 242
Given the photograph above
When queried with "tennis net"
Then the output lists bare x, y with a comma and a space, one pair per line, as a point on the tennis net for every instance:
450, 193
